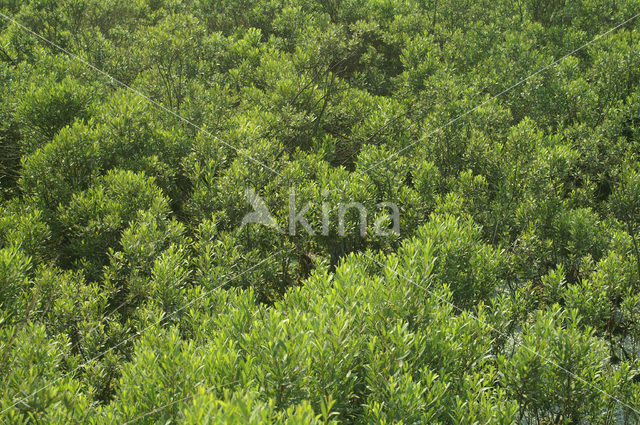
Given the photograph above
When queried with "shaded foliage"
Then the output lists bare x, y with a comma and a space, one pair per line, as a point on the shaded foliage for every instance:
131, 293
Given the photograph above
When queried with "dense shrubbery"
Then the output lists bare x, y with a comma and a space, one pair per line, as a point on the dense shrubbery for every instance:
130, 292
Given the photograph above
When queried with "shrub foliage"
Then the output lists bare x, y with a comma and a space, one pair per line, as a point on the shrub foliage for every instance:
130, 291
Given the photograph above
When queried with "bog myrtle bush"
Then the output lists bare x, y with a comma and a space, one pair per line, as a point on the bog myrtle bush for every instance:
133, 291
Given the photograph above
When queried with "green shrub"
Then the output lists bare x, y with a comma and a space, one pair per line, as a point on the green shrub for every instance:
95, 219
